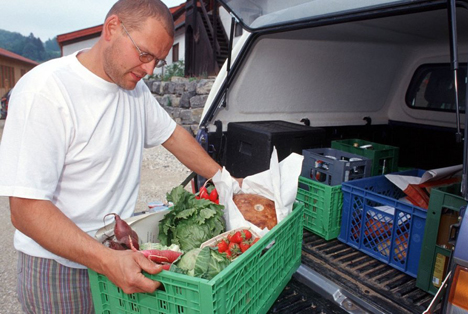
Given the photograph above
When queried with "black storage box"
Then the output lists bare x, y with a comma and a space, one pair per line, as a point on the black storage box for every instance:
250, 144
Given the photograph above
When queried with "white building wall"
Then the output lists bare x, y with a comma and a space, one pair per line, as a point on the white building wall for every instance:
179, 38
69, 49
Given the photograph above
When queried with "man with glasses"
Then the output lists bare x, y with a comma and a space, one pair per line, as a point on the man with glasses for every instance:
71, 153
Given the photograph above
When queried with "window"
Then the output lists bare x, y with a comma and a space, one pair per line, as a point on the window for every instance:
432, 88
175, 53
7, 76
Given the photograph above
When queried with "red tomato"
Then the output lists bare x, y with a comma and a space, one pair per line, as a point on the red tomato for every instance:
234, 248
213, 195
236, 237
247, 234
203, 193
244, 246
222, 246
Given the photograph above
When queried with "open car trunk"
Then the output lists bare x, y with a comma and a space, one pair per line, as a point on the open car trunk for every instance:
358, 73
349, 77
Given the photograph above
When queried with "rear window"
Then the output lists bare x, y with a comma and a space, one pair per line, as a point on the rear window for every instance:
432, 88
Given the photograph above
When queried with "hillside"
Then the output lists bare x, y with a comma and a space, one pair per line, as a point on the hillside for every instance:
29, 47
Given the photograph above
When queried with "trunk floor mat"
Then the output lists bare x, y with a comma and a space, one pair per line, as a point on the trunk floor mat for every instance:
382, 286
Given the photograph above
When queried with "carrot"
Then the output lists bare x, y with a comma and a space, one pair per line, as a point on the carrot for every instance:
124, 233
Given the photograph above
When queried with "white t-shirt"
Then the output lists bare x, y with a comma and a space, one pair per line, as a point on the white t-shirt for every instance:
77, 140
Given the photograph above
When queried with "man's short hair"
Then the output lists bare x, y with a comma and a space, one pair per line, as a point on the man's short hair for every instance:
134, 12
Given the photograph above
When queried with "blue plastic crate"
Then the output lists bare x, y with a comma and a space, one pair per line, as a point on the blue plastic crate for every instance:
370, 225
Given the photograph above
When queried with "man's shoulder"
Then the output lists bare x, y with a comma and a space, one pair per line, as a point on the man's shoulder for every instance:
56, 63
47, 72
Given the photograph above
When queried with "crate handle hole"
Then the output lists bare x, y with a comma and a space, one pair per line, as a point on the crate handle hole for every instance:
161, 287
267, 248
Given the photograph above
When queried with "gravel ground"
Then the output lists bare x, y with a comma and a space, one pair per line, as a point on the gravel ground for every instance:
161, 171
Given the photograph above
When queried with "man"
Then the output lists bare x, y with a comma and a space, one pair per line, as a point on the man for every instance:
71, 153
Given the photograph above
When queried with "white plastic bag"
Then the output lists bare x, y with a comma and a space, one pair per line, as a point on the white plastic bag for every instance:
279, 184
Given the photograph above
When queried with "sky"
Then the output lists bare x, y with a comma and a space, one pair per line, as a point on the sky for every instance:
49, 18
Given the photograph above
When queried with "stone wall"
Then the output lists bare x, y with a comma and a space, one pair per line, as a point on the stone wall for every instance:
183, 98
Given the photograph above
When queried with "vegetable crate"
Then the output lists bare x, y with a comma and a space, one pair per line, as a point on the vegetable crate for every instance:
250, 284
384, 157
332, 166
377, 223
444, 206
322, 207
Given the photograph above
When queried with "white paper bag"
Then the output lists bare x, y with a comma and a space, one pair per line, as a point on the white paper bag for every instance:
279, 184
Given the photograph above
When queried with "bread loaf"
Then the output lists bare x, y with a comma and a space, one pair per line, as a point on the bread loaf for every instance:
257, 209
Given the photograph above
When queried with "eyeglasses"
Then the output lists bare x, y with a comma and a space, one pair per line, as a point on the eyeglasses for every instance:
145, 57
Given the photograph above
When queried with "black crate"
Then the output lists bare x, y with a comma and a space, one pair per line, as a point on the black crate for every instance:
250, 144
333, 167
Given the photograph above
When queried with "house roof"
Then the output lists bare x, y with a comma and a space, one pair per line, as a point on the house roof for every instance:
177, 8
12, 55
177, 12
90, 32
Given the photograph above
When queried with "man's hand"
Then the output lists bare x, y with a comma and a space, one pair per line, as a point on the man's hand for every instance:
124, 269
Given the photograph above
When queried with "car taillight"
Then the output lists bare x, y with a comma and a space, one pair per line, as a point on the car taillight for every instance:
458, 296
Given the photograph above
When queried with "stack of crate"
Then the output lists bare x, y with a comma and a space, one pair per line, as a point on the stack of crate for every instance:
384, 157
323, 171
445, 204
355, 202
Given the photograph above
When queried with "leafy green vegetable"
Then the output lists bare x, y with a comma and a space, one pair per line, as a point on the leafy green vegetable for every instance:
187, 262
217, 263
191, 221
204, 263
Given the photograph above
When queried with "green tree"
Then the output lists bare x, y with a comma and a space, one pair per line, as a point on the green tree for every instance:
29, 46
30, 52
52, 45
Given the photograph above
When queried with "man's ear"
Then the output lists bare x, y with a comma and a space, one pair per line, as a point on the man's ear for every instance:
111, 27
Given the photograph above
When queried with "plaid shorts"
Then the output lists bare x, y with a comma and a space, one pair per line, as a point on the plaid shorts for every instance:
45, 286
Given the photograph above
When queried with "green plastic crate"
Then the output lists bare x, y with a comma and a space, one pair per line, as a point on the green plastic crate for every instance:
448, 197
384, 157
322, 207
250, 284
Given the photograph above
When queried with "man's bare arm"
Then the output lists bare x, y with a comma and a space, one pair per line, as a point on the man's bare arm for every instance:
47, 225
